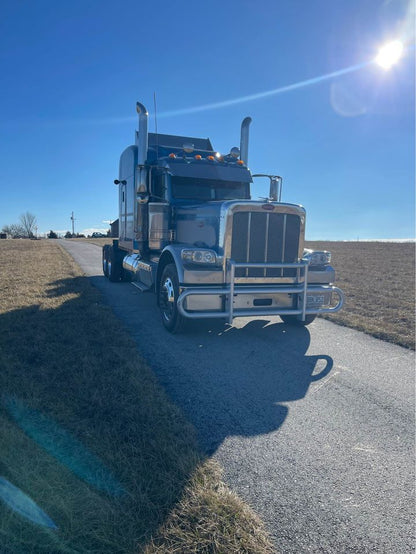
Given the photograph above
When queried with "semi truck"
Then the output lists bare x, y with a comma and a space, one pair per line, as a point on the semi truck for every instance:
190, 232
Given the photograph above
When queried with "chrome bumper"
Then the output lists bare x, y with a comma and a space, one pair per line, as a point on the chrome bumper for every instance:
230, 289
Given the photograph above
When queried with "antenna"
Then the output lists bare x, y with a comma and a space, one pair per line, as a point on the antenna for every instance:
157, 139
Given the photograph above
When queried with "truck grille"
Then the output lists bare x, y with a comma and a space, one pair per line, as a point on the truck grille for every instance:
265, 237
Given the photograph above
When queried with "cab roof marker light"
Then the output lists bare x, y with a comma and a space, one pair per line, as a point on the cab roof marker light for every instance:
188, 148
172, 155
198, 157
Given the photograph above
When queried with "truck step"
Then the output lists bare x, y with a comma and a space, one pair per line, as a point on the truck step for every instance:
141, 286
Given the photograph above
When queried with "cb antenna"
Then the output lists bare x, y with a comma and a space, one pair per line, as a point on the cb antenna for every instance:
157, 138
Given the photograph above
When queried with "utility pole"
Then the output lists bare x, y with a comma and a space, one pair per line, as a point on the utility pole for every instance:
73, 221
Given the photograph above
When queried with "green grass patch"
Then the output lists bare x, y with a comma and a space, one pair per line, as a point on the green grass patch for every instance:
88, 437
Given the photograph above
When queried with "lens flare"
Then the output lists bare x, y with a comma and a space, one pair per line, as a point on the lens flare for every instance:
266, 93
389, 54
22, 504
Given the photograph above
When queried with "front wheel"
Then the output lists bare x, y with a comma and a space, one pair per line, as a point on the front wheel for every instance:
296, 320
168, 300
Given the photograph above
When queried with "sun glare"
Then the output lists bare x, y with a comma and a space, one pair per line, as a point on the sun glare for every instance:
389, 54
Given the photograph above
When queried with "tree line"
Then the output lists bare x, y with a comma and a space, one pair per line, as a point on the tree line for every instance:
26, 227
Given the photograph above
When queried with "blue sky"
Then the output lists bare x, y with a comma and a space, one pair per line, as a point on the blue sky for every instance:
72, 72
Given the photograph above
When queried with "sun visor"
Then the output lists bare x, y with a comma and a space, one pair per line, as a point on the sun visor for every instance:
210, 171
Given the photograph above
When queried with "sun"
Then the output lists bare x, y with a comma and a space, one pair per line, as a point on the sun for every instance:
389, 54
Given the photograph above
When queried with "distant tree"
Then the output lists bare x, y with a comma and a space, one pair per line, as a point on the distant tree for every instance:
28, 222
68, 235
14, 230
52, 235
6, 229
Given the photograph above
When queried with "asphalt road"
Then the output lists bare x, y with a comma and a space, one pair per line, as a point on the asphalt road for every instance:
314, 427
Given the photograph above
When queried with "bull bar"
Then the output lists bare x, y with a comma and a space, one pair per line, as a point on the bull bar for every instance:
231, 289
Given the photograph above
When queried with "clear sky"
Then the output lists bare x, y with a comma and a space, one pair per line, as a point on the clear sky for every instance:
72, 72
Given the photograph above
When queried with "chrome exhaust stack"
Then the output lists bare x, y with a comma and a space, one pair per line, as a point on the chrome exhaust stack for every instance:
140, 209
142, 136
244, 139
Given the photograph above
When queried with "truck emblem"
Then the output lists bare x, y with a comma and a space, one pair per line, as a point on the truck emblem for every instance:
268, 207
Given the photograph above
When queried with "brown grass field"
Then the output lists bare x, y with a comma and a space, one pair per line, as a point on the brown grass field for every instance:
89, 436
378, 279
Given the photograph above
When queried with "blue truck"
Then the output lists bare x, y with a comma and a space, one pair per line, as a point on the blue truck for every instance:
190, 232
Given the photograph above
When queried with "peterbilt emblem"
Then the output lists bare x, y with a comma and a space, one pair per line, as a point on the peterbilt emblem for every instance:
268, 207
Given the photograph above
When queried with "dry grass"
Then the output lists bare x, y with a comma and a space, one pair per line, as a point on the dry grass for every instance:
379, 283
198, 523
88, 434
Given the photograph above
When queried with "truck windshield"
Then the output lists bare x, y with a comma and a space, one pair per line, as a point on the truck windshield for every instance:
208, 189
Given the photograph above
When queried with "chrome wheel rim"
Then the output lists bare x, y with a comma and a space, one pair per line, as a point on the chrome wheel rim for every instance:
167, 299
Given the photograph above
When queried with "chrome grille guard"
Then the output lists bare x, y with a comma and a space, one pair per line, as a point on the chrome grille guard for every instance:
230, 289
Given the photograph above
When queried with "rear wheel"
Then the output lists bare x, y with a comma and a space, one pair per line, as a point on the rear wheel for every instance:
105, 259
114, 267
168, 298
297, 321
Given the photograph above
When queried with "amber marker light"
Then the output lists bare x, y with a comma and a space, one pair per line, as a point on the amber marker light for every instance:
198, 157
211, 158
172, 155
240, 162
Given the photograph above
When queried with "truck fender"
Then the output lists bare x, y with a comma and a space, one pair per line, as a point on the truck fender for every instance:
170, 254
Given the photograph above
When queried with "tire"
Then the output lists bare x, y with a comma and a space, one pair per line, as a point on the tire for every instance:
114, 266
105, 259
296, 321
168, 297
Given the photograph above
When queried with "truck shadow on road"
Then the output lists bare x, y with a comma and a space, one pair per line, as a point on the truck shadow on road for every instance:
229, 380
240, 381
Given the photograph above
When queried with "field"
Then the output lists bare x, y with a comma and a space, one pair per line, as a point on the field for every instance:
379, 283
93, 456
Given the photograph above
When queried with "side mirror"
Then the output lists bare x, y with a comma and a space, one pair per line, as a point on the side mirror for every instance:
275, 191
275, 188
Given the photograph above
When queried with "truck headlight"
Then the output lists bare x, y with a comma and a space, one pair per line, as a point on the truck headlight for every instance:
317, 257
205, 257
